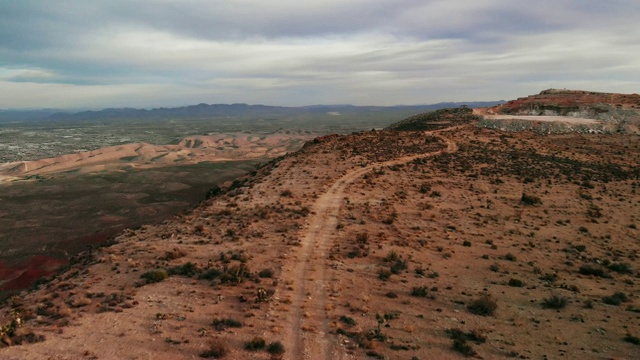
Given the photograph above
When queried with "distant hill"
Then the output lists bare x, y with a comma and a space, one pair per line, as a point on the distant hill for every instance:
22, 115
435, 120
609, 107
281, 116
251, 111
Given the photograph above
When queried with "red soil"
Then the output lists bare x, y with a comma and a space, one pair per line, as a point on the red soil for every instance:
22, 275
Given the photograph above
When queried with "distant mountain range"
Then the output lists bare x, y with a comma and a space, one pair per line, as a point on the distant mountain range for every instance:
222, 110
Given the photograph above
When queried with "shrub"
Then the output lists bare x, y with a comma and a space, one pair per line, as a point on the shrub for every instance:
615, 299
221, 324
255, 344
549, 277
217, 350
210, 274
463, 348
530, 199
347, 320
485, 306
384, 274
391, 256
516, 283
510, 257
632, 339
173, 254
590, 270
189, 269
286, 193
213, 192
155, 276
275, 348
266, 273
623, 268
555, 302
391, 315
398, 266
362, 238
375, 355
466, 243
235, 274
457, 334
419, 291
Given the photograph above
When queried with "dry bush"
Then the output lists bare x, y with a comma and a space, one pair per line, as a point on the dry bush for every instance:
485, 306
217, 350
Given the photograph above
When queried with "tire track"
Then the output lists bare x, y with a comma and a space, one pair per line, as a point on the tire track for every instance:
307, 334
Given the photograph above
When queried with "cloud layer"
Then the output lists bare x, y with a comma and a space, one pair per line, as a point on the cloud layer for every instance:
81, 54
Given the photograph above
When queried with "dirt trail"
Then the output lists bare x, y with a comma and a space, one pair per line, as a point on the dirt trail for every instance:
307, 333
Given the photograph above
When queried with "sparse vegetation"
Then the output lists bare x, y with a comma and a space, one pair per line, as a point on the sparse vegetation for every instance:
154, 276
622, 268
221, 324
530, 199
594, 271
516, 283
554, 302
632, 339
217, 350
275, 348
510, 257
485, 306
286, 193
473, 336
616, 299
419, 291
188, 269
463, 348
255, 344
266, 273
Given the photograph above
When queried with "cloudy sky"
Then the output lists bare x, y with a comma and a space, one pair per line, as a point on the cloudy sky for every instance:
144, 53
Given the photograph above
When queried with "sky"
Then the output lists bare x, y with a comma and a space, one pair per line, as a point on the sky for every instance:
78, 54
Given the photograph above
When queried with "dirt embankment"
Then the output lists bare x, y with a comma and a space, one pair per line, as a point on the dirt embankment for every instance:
565, 111
608, 107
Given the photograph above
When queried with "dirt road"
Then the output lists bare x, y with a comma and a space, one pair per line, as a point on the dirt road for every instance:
307, 334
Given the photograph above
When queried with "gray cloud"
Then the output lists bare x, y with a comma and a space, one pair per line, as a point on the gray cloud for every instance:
165, 53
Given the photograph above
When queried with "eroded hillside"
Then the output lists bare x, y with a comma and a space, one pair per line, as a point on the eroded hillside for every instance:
403, 245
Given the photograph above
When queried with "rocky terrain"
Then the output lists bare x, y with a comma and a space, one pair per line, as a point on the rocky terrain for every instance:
555, 111
448, 243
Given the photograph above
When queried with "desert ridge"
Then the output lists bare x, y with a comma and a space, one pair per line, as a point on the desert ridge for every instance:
444, 243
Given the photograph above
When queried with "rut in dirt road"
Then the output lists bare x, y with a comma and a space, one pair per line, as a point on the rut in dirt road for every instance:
307, 326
